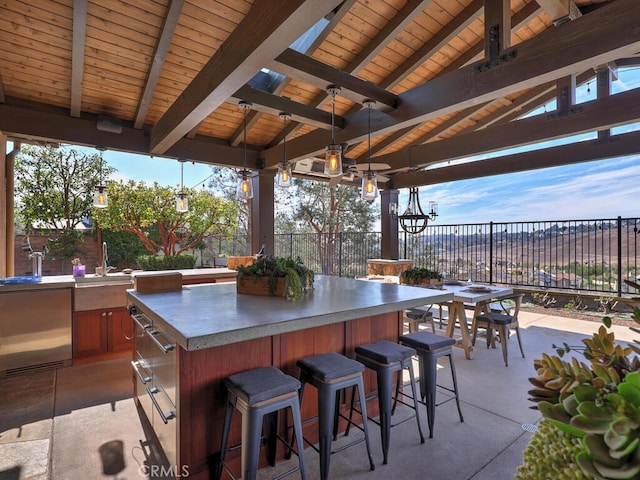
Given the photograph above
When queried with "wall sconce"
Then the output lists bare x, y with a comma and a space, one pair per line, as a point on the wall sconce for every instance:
393, 209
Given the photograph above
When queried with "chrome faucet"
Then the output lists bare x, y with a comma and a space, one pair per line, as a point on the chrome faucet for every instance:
104, 269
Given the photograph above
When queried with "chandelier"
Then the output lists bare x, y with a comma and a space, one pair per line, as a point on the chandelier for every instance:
414, 220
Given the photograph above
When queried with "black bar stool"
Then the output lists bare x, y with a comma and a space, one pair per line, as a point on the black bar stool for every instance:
256, 393
386, 358
331, 373
430, 347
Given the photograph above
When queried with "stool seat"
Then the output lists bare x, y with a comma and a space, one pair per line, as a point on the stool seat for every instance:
329, 366
385, 351
261, 384
417, 314
427, 341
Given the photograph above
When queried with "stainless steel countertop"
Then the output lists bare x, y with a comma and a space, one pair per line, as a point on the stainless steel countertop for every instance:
91, 280
203, 316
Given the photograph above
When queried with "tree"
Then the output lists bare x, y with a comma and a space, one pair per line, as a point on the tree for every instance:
327, 211
54, 187
138, 208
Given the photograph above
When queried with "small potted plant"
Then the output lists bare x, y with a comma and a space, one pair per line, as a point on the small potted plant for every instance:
275, 276
420, 276
78, 267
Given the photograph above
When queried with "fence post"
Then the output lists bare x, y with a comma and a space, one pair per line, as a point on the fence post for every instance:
619, 256
339, 254
491, 252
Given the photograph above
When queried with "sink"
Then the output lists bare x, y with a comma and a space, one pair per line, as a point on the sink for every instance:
109, 279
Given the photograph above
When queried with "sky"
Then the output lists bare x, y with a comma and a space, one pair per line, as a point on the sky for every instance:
591, 190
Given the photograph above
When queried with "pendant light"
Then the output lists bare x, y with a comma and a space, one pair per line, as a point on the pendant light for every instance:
100, 198
245, 186
369, 179
414, 220
333, 158
182, 199
284, 169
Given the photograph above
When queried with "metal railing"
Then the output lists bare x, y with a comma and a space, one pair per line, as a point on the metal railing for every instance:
585, 255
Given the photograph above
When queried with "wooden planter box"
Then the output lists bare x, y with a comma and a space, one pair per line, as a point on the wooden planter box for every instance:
259, 286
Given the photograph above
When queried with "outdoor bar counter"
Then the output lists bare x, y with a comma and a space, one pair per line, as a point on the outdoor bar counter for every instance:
218, 332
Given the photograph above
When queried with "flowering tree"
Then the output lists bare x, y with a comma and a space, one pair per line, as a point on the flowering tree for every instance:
138, 208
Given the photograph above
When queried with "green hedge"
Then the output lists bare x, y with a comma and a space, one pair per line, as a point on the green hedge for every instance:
167, 262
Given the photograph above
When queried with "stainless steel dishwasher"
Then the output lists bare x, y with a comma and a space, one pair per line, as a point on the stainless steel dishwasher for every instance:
35, 330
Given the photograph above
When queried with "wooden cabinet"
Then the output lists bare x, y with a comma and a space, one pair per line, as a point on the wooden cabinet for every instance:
100, 331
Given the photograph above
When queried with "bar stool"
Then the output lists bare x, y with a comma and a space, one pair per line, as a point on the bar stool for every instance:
331, 373
430, 347
415, 316
256, 393
386, 358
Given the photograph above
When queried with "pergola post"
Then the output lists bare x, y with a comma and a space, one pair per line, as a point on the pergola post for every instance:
389, 225
262, 211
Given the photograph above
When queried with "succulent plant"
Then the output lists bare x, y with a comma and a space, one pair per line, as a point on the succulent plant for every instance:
558, 449
597, 404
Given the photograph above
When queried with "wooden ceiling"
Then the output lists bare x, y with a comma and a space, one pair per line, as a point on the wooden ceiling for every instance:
450, 79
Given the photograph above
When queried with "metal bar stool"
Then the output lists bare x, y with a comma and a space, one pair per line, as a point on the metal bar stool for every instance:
256, 393
430, 347
387, 358
331, 373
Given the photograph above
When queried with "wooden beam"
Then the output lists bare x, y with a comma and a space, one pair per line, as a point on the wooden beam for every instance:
389, 32
593, 39
263, 34
272, 104
435, 43
162, 48
77, 55
2, 97
519, 19
371, 50
34, 122
580, 152
253, 116
609, 112
318, 74
497, 27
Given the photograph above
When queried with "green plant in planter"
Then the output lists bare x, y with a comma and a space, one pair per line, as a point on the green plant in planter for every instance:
298, 278
597, 403
416, 275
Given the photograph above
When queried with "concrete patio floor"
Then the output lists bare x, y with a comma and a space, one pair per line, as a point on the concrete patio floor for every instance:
53, 423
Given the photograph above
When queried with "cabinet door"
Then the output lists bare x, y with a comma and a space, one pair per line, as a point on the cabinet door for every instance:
89, 332
120, 329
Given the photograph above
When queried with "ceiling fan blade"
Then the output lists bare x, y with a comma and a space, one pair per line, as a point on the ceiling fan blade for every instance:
361, 167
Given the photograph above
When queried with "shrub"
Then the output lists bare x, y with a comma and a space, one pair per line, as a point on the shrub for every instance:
167, 262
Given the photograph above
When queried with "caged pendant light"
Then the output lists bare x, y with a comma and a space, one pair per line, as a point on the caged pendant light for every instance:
369, 179
182, 199
284, 169
245, 186
333, 157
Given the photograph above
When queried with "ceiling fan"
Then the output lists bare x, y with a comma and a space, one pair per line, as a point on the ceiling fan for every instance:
351, 169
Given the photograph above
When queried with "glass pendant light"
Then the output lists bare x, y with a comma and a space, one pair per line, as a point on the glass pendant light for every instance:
284, 169
369, 179
245, 186
100, 198
333, 158
182, 199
